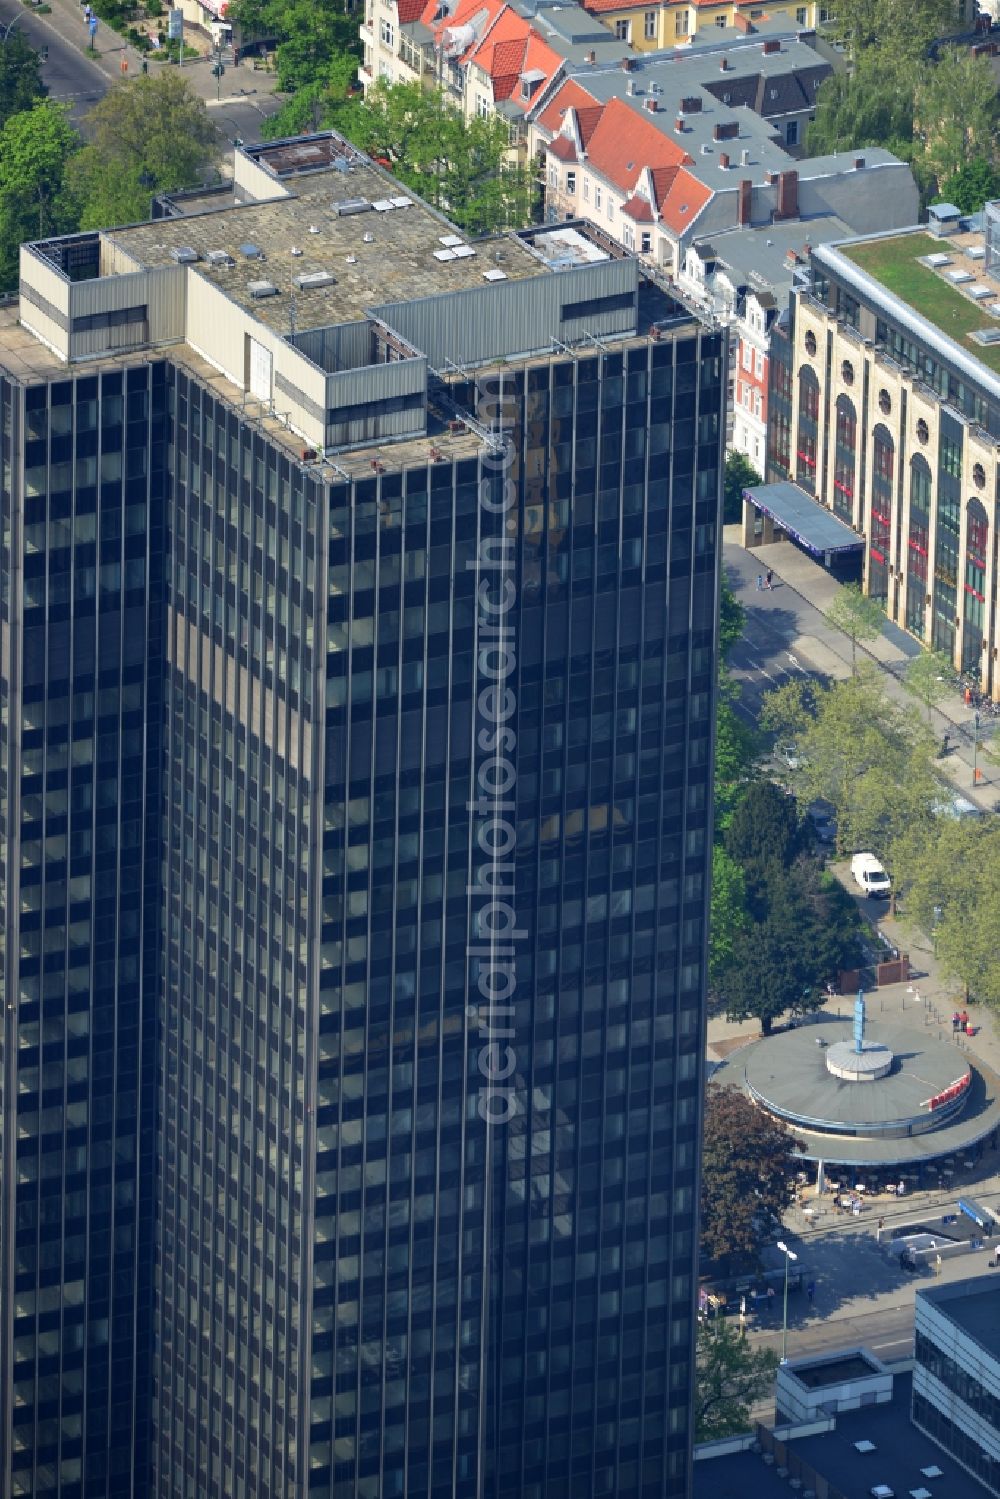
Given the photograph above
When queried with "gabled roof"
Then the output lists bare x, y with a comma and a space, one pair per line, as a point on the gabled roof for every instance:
570, 96
563, 148
409, 11
509, 49
470, 21
623, 144
684, 202
638, 209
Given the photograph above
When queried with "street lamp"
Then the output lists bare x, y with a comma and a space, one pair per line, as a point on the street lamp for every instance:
789, 1256
975, 751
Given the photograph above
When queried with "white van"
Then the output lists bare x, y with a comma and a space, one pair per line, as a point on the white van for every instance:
870, 875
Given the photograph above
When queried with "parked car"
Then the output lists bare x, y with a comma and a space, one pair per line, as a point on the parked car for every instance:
870, 875
824, 824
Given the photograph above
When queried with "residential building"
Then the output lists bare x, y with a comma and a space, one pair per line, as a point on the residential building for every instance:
890, 417
745, 279
956, 1374
738, 173
360, 593
649, 27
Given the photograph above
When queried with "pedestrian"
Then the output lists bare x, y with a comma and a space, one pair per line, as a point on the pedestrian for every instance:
760, 582
970, 1029
770, 575
963, 1020
881, 1224
811, 1291
956, 1021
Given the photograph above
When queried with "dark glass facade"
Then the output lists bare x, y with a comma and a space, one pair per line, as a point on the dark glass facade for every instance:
85, 486
265, 1230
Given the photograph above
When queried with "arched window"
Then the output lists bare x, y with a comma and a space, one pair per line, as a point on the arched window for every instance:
977, 541
917, 545
808, 429
845, 458
880, 523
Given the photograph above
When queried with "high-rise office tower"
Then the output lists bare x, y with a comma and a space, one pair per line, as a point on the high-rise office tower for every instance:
358, 639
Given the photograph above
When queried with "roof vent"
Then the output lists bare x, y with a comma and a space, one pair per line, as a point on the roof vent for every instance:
311, 280
184, 255
220, 258
352, 260
261, 289
369, 239
352, 205
744, 158
295, 250
341, 164
313, 228
630, 88
250, 251
494, 275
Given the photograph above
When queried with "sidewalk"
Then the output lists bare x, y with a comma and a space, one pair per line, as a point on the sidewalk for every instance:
111, 48
891, 651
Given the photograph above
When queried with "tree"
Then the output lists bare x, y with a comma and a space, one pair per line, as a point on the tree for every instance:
972, 185
928, 678
903, 27
805, 934
862, 752
859, 616
150, 135
317, 105
955, 113
748, 1164
728, 918
870, 106
953, 894
21, 83
730, 1377
37, 156
740, 474
764, 829
460, 166
732, 619
315, 37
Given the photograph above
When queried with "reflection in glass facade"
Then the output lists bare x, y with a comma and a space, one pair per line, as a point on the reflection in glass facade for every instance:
258, 1238
84, 494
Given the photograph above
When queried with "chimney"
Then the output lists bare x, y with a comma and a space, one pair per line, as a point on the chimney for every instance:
591, 57
724, 64
772, 179
626, 64
788, 195
724, 161
726, 130
679, 125
691, 105
806, 251
742, 23
859, 162
630, 88
650, 104
771, 45
744, 203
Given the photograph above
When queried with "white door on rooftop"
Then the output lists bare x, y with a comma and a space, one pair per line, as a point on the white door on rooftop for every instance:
260, 371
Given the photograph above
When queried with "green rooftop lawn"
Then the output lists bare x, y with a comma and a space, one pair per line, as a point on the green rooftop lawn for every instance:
894, 262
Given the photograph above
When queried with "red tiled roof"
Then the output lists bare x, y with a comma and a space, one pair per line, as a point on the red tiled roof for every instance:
623, 144
409, 10
598, 7
465, 14
639, 210
570, 96
563, 148
508, 49
684, 201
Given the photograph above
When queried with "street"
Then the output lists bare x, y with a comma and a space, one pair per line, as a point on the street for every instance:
69, 74
73, 78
